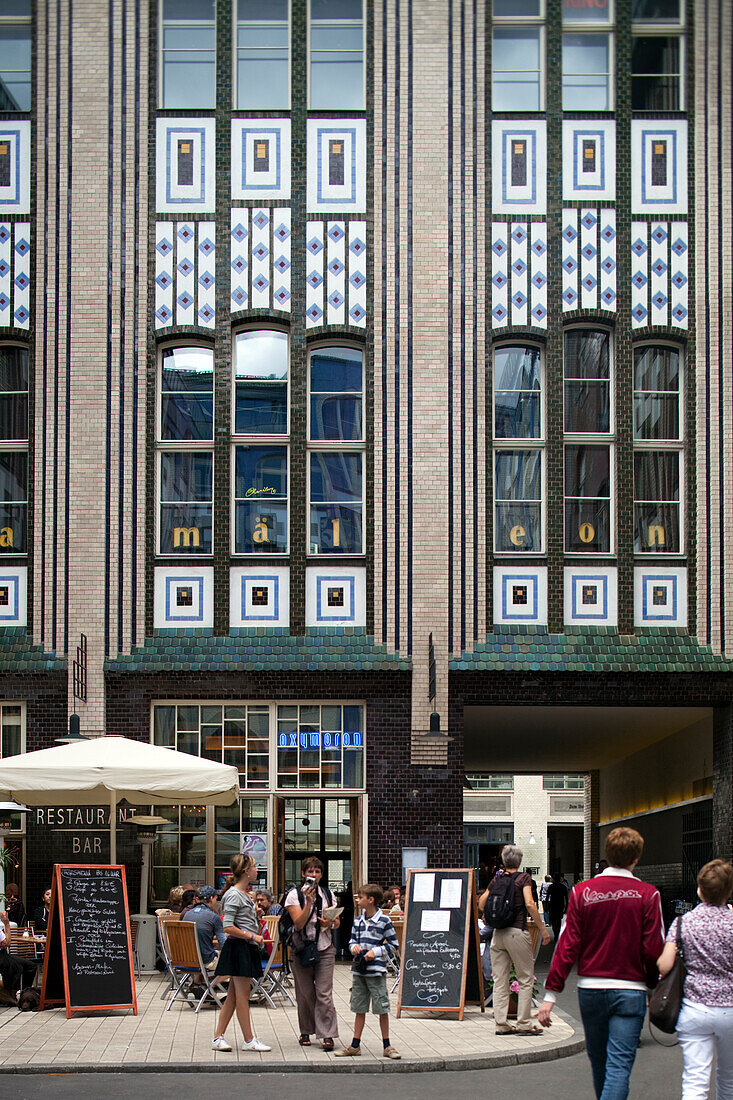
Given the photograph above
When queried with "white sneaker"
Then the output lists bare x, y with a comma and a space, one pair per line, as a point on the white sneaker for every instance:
256, 1044
220, 1043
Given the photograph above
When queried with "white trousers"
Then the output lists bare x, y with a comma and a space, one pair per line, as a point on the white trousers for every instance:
703, 1032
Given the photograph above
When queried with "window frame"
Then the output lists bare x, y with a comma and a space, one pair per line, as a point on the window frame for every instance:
235, 62
258, 441
162, 23
592, 441
661, 30
185, 552
592, 30
315, 555
504, 19
177, 444
523, 23
597, 436
22, 21
269, 437
309, 52
520, 443
20, 446
673, 446
336, 444
19, 704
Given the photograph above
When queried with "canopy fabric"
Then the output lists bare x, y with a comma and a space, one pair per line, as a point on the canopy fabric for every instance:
89, 772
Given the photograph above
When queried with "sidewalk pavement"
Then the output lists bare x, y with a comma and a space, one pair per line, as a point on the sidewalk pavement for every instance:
156, 1040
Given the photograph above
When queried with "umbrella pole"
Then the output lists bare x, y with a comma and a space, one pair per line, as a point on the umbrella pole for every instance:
113, 826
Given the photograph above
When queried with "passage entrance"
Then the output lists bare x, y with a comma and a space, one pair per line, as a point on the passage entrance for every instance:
323, 827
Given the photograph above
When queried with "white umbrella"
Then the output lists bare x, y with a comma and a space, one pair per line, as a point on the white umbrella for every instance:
110, 769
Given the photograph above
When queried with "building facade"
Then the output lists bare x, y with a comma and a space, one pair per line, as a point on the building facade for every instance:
362, 362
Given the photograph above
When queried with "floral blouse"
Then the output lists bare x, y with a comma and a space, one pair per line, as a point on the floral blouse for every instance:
707, 941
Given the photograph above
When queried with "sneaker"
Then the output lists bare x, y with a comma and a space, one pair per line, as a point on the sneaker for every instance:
220, 1043
390, 1052
348, 1052
256, 1044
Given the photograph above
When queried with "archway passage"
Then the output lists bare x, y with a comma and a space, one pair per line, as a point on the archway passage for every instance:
656, 750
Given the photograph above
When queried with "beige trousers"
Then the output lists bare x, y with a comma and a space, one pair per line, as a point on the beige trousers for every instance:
314, 995
512, 945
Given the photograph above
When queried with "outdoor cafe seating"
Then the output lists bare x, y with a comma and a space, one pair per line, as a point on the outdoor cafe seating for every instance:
187, 968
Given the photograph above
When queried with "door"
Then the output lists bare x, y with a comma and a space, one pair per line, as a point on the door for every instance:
278, 862
322, 827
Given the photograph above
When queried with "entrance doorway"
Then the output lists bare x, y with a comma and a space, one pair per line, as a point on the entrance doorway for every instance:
565, 851
328, 828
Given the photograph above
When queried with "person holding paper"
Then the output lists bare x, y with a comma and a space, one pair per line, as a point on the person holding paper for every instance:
314, 913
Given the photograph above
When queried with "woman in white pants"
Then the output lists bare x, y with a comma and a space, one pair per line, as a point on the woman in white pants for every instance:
705, 1025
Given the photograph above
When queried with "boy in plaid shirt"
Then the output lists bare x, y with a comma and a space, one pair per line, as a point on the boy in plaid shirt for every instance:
372, 938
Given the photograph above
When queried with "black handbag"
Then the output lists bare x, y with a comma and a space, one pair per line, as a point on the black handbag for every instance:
666, 1000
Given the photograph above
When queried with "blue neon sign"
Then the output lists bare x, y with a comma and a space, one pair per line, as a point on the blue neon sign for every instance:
320, 740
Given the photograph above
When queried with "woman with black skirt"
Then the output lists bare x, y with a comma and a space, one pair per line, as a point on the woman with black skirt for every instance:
240, 957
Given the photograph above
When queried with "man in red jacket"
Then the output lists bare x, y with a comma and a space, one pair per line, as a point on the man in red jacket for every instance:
614, 930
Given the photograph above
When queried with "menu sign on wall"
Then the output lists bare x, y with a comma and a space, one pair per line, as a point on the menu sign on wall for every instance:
88, 960
441, 963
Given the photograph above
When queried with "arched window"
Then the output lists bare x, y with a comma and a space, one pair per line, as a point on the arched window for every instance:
657, 449
13, 449
518, 419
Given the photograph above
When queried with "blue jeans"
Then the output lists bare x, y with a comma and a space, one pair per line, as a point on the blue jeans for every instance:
612, 1019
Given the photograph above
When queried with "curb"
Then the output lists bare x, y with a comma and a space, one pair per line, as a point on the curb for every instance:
457, 1064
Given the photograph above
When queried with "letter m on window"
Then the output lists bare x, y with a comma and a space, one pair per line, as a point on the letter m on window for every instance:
186, 536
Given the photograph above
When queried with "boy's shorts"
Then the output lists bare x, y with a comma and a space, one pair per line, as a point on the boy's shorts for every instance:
369, 987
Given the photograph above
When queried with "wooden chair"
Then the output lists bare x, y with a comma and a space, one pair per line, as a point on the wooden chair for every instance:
275, 973
24, 948
164, 917
134, 929
186, 965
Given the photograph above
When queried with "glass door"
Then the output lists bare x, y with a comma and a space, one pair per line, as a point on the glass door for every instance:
322, 827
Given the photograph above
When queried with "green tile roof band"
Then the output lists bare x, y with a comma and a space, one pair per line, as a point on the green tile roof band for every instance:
590, 649
18, 653
260, 650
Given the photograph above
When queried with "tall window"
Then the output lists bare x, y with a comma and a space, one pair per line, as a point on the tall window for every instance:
657, 450
186, 468
657, 55
336, 55
236, 734
518, 470
336, 461
260, 467
588, 423
518, 56
188, 54
320, 746
261, 382
13, 449
263, 54
586, 71
15, 55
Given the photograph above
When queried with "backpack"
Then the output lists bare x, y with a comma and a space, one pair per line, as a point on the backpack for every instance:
500, 910
286, 925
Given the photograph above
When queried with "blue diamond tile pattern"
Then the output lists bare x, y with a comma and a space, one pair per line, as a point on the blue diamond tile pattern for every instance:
608, 264
21, 315
519, 300
185, 300
500, 280
163, 314
164, 247
314, 246
659, 234
239, 233
335, 267
679, 280
519, 234
589, 252
206, 313
22, 247
499, 247
679, 247
539, 279
261, 219
185, 233
570, 264
282, 232
206, 279
499, 313
282, 295
261, 283
570, 297
261, 251
608, 297
206, 247
539, 313
336, 300
679, 313
314, 313
519, 267
659, 300
185, 266
659, 267
639, 280
336, 233
570, 233
314, 279
590, 283
357, 279
639, 313
239, 264
282, 263
639, 247
357, 246
4, 234
357, 313
589, 220
539, 248
608, 233
239, 295
164, 280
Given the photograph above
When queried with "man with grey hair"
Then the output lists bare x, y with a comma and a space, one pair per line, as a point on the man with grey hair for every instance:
507, 904
266, 904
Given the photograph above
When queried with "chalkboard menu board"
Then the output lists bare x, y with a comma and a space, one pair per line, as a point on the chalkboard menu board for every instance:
441, 962
88, 960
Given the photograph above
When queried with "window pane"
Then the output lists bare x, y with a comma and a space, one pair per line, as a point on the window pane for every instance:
261, 355
516, 415
513, 9
587, 526
187, 369
261, 409
164, 726
656, 11
579, 11
516, 69
262, 10
587, 471
336, 529
188, 9
13, 416
189, 58
656, 416
655, 67
260, 489
336, 54
518, 527
185, 475
517, 368
336, 370
518, 475
587, 407
586, 354
336, 9
337, 83
657, 368
656, 528
586, 78
336, 477
13, 369
261, 472
656, 475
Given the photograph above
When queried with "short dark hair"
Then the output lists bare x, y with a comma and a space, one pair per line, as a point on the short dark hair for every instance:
311, 863
374, 891
187, 898
624, 846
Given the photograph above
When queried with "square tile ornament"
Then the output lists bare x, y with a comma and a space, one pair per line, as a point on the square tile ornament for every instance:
520, 595
185, 165
589, 160
519, 156
13, 596
336, 165
261, 158
660, 596
335, 596
184, 597
658, 166
259, 596
591, 596
15, 166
